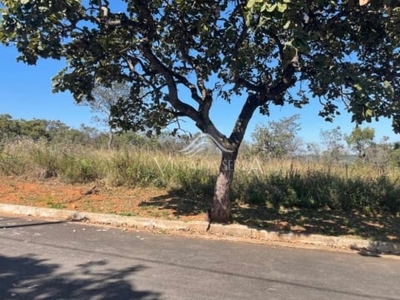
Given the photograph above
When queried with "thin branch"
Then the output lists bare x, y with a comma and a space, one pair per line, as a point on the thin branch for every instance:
189, 85
251, 86
171, 84
278, 43
204, 124
145, 15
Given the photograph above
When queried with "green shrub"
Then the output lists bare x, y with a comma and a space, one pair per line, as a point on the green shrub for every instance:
12, 165
78, 169
132, 170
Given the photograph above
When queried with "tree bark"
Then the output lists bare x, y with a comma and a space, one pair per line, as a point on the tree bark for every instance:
221, 205
110, 140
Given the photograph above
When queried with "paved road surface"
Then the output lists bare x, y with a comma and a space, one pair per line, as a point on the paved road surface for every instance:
49, 260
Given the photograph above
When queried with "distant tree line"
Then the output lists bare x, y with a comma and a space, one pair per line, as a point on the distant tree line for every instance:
58, 132
277, 140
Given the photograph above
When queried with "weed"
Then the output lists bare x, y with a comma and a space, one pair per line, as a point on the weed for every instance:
277, 184
51, 204
127, 214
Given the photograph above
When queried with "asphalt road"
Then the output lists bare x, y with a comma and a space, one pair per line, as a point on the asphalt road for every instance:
49, 260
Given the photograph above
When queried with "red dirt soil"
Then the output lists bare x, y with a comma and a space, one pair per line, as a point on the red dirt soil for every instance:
89, 198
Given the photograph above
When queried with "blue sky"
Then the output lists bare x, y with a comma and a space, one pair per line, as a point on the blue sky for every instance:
25, 92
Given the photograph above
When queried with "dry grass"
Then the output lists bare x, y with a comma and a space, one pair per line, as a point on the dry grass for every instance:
274, 184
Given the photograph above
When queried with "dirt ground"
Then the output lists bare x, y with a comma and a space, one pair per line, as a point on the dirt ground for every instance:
161, 203
90, 198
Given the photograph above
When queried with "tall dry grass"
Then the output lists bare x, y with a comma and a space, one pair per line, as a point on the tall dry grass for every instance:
275, 184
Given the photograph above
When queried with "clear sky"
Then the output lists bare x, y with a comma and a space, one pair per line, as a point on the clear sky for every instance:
25, 92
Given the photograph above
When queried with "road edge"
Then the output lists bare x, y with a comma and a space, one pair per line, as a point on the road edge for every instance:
220, 231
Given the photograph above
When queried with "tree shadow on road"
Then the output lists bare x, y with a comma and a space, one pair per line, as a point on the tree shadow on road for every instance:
27, 277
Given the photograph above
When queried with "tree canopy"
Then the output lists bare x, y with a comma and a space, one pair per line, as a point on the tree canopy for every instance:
180, 56
336, 49
360, 139
278, 139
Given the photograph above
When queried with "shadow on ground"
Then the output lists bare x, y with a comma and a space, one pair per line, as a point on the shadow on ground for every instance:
180, 206
27, 225
326, 222
27, 277
305, 221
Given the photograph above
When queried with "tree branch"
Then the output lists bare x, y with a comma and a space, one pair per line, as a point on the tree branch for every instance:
260, 88
190, 86
168, 75
146, 17
252, 102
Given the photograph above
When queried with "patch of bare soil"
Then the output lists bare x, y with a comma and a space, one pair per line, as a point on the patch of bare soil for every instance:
93, 198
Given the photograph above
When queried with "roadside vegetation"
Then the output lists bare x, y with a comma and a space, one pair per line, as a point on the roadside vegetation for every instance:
276, 172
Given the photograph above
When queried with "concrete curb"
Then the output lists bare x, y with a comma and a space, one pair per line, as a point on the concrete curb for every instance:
222, 231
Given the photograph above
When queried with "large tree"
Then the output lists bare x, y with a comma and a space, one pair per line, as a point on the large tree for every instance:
102, 103
179, 56
277, 139
360, 140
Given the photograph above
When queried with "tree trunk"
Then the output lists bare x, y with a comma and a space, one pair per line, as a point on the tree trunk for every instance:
110, 140
221, 205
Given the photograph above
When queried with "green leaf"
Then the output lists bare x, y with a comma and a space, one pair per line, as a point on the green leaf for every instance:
248, 17
271, 8
24, 2
40, 46
251, 3
282, 7
287, 24
389, 88
369, 112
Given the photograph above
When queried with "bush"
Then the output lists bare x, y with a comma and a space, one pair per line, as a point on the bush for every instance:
79, 169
